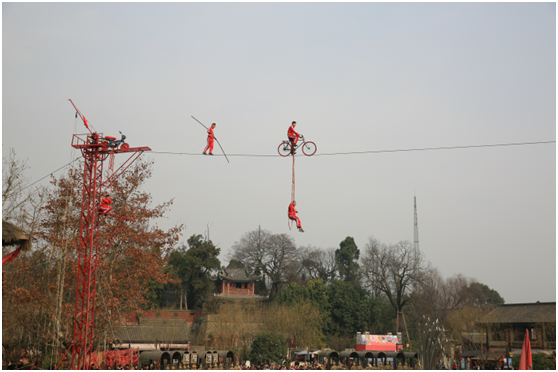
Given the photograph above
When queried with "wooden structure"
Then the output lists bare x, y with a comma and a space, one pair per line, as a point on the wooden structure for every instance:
504, 327
14, 236
235, 282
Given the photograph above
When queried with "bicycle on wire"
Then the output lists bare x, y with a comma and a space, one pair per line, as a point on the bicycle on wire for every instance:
308, 147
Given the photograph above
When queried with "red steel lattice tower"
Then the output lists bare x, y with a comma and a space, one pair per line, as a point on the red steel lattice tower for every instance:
91, 250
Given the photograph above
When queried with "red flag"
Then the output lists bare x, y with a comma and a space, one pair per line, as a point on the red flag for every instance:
526, 361
11, 256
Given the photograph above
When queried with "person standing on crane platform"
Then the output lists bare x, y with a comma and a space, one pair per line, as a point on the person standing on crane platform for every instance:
210, 139
292, 215
293, 136
105, 207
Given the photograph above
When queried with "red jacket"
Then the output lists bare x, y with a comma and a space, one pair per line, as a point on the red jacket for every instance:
105, 201
210, 133
292, 210
291, 133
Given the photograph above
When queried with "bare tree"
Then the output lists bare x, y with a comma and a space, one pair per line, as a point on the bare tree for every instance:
437, 297
20, 203
13, 185
274, 255
318, 263
232, 325
393, 270
299, 322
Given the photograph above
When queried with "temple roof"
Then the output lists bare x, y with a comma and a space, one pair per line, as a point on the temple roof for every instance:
235, 275
538, 312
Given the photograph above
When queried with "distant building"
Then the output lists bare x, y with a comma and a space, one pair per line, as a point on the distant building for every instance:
155, 330
504, 328
236, 283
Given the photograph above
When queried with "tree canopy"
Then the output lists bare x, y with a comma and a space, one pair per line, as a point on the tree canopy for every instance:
393, 270
274, 255
38, 289
347, 260
345, 308
192, 266
268, 347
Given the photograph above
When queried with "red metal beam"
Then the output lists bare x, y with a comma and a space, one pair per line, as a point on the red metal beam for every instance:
90, 252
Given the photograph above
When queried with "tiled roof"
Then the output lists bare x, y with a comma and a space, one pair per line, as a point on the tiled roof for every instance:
13, 235
236, 275
523, 313
168, 322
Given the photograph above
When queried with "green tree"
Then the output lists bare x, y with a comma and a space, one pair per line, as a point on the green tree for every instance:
316, 293
155, 289
193, 265
344, 307
352, 310
268, 347
299, 323
483, 296
347, 260
540, 361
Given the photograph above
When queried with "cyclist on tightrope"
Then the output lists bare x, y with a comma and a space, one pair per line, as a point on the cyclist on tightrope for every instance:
293, 136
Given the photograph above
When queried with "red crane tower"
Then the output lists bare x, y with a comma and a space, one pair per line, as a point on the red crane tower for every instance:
95, 149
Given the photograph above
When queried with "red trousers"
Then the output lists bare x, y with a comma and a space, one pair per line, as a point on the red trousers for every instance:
293, 140
295, 218
209, 145
105, 209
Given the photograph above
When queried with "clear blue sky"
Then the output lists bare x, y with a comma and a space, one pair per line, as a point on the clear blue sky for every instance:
356, 77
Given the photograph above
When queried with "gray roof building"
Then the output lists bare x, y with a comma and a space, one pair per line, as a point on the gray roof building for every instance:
231, 282
537, 312
154, 331
235, 275
507, 325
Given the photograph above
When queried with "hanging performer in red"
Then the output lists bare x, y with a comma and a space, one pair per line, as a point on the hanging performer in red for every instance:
292, 215
105, 207
293, 136
210, 139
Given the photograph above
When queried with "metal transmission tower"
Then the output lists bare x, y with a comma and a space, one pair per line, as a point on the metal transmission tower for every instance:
416, 240
95, 151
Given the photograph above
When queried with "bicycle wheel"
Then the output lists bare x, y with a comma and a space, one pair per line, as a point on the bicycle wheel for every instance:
104, 146
284, 149
124, 147
309, 148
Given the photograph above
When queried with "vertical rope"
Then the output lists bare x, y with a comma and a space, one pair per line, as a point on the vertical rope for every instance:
293, 187
292, 190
